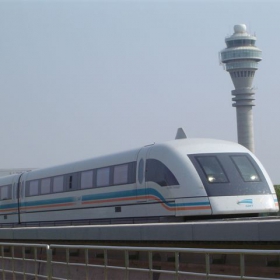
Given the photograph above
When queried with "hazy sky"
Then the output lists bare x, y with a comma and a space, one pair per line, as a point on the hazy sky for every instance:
85, 78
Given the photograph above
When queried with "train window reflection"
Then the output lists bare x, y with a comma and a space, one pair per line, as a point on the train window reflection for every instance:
103, 177
121, 174
159, 173
141, 171
246, 168
46, 186
58, 184
212, 169
87, 179
34, 188
4, 193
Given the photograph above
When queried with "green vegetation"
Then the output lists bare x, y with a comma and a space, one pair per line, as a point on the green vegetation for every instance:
277, 189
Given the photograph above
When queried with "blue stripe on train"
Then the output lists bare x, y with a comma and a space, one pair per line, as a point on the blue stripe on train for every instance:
96, 197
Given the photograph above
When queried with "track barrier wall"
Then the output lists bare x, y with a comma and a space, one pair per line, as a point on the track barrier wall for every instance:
74, 262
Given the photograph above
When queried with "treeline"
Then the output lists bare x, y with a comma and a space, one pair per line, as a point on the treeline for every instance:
277, 189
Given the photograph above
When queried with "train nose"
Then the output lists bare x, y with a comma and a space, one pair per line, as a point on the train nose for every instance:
243, 204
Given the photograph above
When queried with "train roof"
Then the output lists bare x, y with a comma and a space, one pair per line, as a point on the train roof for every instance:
185, 145
204, 145
87, 164
180, 145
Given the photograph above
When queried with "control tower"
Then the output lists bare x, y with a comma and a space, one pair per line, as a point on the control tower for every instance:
240, 58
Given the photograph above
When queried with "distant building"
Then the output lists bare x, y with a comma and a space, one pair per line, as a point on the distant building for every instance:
6, 172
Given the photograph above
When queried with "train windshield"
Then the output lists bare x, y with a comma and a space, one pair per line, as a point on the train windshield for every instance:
230, 174
212, 169
246, 168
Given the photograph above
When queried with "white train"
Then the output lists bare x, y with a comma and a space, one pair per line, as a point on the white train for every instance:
176, 180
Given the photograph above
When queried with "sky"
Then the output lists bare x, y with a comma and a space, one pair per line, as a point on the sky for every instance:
79, 79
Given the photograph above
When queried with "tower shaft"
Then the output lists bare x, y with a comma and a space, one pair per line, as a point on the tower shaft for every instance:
244, 98
245, 132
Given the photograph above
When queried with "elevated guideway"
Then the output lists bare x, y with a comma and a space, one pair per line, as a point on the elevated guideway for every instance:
239, 230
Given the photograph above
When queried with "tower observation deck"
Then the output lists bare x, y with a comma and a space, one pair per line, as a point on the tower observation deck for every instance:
240, 58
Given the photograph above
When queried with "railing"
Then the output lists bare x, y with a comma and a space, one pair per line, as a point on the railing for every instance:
71, 262
16, 262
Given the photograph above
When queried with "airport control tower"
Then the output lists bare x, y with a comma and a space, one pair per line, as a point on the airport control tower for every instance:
240, 58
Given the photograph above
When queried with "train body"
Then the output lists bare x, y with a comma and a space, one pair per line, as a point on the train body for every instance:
175, 180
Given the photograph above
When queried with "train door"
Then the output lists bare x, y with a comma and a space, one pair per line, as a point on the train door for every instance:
20, 195
140, 174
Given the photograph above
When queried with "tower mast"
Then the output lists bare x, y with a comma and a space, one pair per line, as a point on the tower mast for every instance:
240, 58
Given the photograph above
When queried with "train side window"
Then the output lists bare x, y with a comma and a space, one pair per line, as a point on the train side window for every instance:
245, 168
132, 172
159, 173
120, 174
87, 179
71, 182
103, 177
46, 186
5, 192
58, 184
33, 188
212, 169
15, 191
141, 171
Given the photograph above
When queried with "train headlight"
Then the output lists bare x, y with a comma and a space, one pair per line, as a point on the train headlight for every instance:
211, 179
254, 178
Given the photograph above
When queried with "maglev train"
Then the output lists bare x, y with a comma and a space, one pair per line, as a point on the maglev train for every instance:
173, 181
